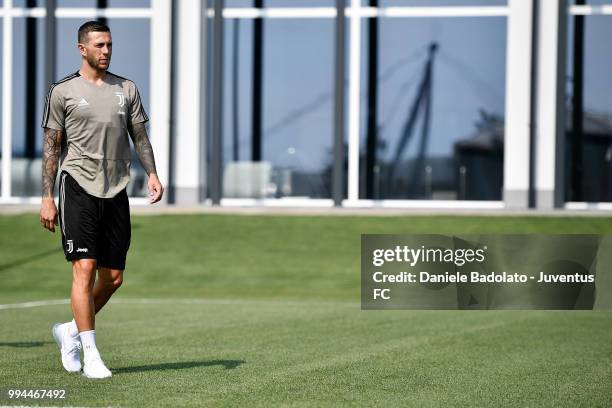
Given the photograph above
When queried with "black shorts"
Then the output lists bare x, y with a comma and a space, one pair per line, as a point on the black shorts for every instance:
93, 227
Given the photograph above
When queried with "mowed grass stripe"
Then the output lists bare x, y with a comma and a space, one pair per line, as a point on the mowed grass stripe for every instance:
170, 301
279, 322
326, 355
227, 256
275, 348
457, 370
358, 355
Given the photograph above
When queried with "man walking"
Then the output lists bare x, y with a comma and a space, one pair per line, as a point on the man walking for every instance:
86, 120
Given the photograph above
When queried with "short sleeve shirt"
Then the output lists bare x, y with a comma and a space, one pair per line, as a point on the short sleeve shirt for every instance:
95, 120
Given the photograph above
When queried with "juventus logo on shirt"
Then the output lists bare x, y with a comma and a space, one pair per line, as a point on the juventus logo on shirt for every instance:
121, 98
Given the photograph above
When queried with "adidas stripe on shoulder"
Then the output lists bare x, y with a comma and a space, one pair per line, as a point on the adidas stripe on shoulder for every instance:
47, 109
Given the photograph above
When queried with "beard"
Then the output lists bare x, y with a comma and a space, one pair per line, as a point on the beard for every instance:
94, 63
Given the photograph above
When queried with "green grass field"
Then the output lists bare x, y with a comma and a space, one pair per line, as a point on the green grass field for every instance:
235, 310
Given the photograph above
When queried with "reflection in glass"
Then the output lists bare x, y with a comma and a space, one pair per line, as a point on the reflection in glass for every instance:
129, 3
591, 2
296, 110
281, 3
28, 3
27, 105
589, 110
436, 3
440, 126
76, 3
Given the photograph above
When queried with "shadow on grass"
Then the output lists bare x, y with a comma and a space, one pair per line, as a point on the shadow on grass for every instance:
29, 258
228, 364
23, 344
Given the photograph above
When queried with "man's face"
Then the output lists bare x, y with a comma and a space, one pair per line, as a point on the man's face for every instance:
98, 49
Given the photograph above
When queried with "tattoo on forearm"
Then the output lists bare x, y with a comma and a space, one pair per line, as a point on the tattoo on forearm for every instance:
50, 160
143, 147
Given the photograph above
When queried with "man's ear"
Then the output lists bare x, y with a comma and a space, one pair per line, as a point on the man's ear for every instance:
81, 48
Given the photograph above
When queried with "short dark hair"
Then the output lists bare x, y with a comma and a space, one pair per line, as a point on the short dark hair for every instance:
90, 26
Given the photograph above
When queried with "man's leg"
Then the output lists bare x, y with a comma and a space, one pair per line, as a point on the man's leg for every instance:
83, 275
78, 219
109, 280
67, 335
80, 222
83, 310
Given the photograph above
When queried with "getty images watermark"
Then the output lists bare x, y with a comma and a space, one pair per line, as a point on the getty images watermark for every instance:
485, 272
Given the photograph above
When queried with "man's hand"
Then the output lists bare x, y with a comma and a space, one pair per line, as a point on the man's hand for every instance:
156, 190
48, 214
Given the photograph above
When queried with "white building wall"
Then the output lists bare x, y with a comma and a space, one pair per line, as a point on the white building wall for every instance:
160, 86
518, 104
186, 155
550, 111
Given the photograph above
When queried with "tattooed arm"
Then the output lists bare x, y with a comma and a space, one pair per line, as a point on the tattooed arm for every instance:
144, 151
143, 148
50, 162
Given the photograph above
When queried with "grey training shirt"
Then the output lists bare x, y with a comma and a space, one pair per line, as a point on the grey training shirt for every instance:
95, 120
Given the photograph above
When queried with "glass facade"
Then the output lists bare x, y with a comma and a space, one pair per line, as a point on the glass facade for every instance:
28, 3
589, 109
593, 2
296, 102
435, 129
83, 3
439, 3
440, 110
27, 105
129, 3
282, 3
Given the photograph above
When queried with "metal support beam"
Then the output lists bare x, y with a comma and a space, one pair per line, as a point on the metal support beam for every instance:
235, 89
50, 43
170, 191
372, 124
204, 101
7, 93
354, 101
532, 105
31, 127
101, 5
257, 102
576, 192
216, 187
339, 164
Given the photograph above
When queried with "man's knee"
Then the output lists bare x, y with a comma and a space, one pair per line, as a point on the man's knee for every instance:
112, 278
83, 273
116, 282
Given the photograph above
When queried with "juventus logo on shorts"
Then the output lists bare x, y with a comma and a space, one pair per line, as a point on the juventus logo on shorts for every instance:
121, 98
70, 246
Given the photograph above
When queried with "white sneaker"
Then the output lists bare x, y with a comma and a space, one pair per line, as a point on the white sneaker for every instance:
95, 368
70, 347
